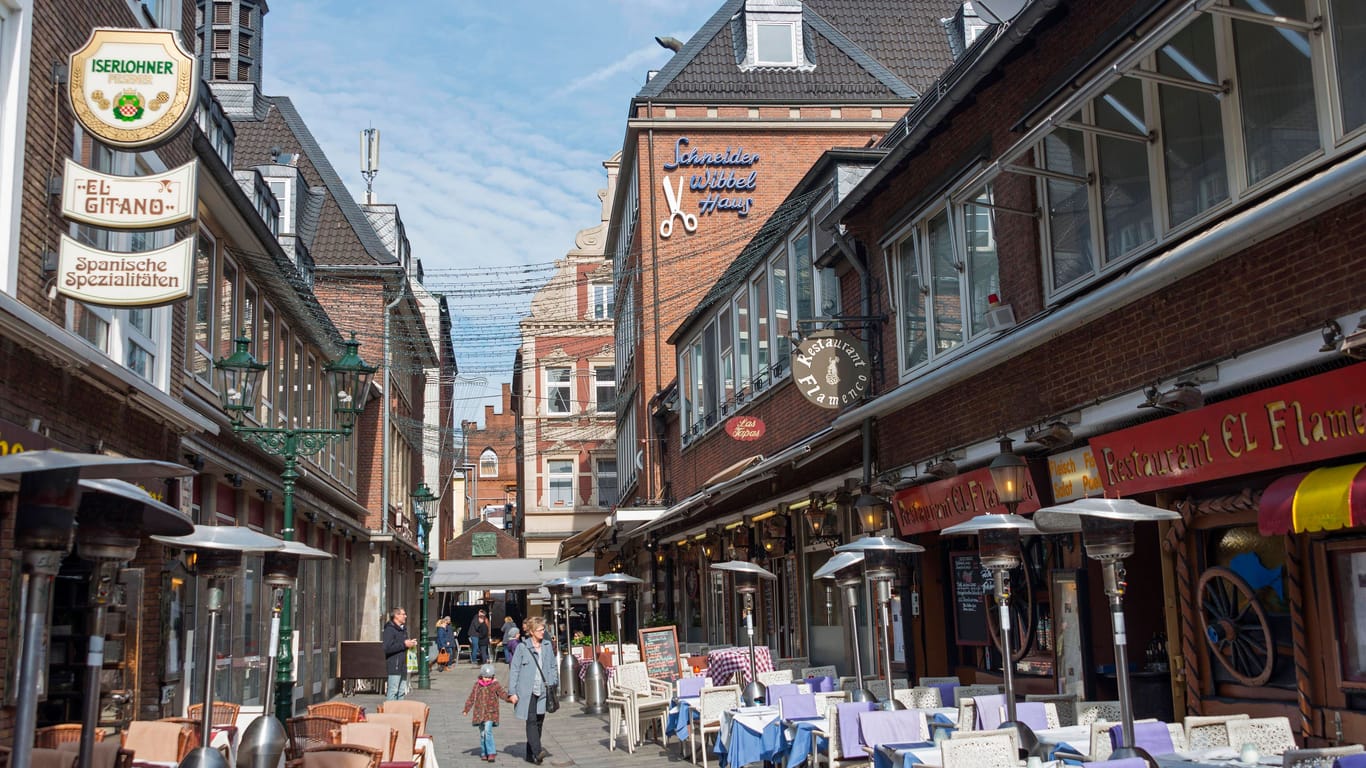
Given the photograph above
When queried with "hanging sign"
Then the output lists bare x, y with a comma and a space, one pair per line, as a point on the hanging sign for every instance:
133, 87
141, 279
745, 428
128, 202
1073, 475
831, 369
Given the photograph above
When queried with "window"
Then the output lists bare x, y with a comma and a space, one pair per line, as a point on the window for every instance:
243, 44
221, 39
244, 17
559, 399
1348, 565
222, 13
201, 358
227, 309
602, 301
775, 44
1280, 120
726, 340
488, 463
782, 322
283, 377
804, 305
759, 302
14, 42
947, 274
605, 389
560, 477
743, 342
1192, 125
281, 189
1349, 23
607, 482
264, 346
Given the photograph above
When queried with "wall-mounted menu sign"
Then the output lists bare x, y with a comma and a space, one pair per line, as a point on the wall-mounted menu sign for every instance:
659, 650
128, 202
969, 599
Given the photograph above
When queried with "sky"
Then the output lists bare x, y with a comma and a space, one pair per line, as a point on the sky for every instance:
495, 119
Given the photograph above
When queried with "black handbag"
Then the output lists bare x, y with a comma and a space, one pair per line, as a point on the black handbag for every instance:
552, 692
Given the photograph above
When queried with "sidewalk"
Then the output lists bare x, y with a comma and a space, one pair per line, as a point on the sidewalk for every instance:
572, 737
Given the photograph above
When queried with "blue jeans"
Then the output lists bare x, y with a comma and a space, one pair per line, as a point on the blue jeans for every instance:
486, 739
395, 688
475, 658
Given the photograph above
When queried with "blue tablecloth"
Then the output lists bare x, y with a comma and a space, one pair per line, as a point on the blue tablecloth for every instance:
882, 760
745, 746
797, 737
680, 717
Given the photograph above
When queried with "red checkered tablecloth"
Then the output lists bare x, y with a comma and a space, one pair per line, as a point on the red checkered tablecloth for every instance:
726, 663
583, 670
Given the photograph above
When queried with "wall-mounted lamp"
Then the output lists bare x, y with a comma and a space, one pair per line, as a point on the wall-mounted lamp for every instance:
872, 512
941, 467
234, 479
1051, 435
822, 524
266, 494
1184, 396
193, 460
1332, 336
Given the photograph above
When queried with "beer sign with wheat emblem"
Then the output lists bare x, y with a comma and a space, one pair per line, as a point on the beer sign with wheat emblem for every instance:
133, 87
831, 369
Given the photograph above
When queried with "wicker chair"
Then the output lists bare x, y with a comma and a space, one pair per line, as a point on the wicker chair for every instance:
833, 756
1050, 710
224, 712
1094, 711
775, 677
794, 663
878, 687
306, 733
347, 713
927, 681
712, 702
1272, 735
107, 754
1323, 757
342, 756
1065, 703
824, 671
53, 736
1205, 731
159, 740
969, 691
993, 751
918, 698
1101, 745
1012, 735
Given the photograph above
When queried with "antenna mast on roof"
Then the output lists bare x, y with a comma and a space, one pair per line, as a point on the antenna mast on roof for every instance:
369, 161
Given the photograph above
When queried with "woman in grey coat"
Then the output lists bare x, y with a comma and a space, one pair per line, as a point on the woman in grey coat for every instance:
528, 685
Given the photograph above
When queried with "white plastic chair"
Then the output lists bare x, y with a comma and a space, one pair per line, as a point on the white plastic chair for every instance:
1272, 735
993, 751
712, 704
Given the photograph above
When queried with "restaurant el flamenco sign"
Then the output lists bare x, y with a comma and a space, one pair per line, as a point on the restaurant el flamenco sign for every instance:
934, 506
1313, 419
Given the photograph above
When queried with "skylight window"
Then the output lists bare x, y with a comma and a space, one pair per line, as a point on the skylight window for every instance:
775, 44
772, 35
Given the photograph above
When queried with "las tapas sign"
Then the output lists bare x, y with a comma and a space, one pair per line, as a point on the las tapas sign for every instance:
745, 428
125, 279
128, 202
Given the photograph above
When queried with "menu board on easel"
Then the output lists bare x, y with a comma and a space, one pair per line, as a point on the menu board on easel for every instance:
659, 650
969, 599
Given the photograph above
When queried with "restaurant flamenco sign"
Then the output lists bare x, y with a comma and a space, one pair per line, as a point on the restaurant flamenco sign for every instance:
935, 506
1314, 419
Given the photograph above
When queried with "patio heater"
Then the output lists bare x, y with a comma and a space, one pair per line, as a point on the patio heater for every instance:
218, 555
1107, 533
263, 740
111, 515
560, 588
998, 540
44, 524
618, 587
746, 577
880, 555
594, 676
846, 570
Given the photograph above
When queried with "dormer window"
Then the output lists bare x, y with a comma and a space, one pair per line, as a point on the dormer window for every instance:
773, 35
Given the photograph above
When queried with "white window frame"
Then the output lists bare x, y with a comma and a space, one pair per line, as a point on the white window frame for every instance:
16, 22
767, 13
551, 500
598, 475
484, 460
757, 26
598, 384
285, 199
567, 385
601, 301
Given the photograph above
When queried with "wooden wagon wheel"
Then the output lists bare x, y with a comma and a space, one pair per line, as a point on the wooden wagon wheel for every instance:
1235, 626
1021, 614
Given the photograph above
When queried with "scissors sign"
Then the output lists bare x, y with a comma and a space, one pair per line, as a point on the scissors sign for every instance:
666, 227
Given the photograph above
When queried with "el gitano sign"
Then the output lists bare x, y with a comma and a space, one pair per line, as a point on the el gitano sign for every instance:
133, 87
128, 202
831, 369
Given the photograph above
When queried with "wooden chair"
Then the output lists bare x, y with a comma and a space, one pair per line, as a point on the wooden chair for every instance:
405, 741
46, 757
1065, 703
1205, 731
1272, 735
1323, 757
165, 741
984, 751
306, 733
53, 736
381, 736
342, 756
107, 754
347, 713
416, 709
712, 702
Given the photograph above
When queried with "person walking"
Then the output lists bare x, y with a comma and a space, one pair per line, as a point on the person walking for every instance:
445, 642
533, 671
483, 700
511, 635
396, 644
479, 638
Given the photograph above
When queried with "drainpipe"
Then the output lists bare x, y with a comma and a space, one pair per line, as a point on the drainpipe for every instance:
655, 450
385, 452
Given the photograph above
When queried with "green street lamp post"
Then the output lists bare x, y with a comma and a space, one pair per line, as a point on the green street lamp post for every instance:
423, 502
238, 377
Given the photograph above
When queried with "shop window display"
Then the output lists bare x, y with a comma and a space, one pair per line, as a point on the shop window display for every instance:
1244, 611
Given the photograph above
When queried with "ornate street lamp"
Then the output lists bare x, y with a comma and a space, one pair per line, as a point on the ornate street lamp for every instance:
880, 560
822, 524
238, 378
424, 502
263, 741
872, 512
594, 676
1107, 532
618, 588
998, 539
44, 523
846, 570
746, 577
561, 589
219, 551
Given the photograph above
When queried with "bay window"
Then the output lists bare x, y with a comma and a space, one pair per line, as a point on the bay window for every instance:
759, 301
782, 317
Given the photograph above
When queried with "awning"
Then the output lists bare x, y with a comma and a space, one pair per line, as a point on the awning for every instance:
481, 573
734, 470
582, 541
1322, 500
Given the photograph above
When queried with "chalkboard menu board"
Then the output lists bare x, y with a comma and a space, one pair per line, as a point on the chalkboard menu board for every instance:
969, 599
659, 650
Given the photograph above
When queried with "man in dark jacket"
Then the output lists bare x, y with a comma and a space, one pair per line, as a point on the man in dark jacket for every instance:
479, 638
396, 645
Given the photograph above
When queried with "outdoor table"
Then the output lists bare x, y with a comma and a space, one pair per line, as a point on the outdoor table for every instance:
680, 717
798, 736
733, 663
426, 744
1212, 757
1070, 738
748, 735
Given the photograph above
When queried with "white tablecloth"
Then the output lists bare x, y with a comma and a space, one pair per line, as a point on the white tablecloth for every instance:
426, 743
1078, 736
755, 719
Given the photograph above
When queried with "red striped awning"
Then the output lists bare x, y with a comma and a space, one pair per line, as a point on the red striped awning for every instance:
1322, 500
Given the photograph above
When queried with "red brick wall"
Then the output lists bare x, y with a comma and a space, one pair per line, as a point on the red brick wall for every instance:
499, 433
459, 547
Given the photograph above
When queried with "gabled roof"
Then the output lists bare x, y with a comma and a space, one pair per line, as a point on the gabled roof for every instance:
863, 50
343, 235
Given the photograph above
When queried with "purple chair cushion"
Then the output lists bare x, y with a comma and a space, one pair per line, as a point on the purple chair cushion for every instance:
822, 684
778, 690
894, 727
1127, 762
1351, 761
1153, 738
691, 686
798, 705
851, 743
945, 693
1033, 714
989, 710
